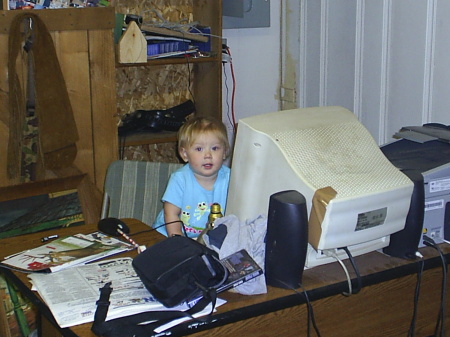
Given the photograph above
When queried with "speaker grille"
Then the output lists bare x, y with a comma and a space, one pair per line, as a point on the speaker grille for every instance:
343, 156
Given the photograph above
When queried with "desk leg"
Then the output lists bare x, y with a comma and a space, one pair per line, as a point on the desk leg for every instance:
4, 324
23, 315
48, 325
46, 329
20, 315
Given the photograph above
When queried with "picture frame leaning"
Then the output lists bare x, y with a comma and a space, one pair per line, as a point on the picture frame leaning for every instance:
41, 205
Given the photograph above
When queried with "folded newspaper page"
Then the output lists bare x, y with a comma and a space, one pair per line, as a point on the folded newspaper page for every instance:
71, 294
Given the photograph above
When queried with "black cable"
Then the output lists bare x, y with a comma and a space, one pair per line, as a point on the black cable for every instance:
155, 228
310, 313
355, 268
311, 318
186, 56
440, 323
412, 326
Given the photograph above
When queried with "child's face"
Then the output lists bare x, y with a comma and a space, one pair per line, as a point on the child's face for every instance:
205, 155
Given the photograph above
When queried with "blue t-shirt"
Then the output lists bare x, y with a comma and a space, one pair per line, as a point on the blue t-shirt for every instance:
184, 191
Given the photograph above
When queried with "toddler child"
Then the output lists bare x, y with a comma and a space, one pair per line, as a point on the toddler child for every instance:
192, 189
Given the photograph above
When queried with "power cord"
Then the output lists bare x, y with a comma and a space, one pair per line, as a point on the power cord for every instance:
311, 318
355, 268
332, 254
227, 94
232, 118
439, 330
420, 265
352, 290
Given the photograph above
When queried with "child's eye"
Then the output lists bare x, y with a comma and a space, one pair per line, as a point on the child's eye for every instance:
198, 149
216, 148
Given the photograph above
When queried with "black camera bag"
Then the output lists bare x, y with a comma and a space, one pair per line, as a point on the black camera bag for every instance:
176, 270
179, 269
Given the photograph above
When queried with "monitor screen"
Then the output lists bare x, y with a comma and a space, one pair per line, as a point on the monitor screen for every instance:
327, 155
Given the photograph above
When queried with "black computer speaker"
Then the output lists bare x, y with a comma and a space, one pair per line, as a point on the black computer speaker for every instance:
405, 243
286, 239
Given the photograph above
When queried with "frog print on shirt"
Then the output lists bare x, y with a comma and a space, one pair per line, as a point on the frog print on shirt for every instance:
202, 207
185, 216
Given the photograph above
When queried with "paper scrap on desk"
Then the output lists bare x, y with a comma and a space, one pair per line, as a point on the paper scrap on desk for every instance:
175, 322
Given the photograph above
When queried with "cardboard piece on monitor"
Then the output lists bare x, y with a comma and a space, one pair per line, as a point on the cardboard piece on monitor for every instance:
320, 201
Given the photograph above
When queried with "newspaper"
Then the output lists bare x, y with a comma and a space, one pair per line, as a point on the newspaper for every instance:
71, 294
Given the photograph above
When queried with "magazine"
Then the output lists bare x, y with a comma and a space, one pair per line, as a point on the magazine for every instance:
66, 252
71, 294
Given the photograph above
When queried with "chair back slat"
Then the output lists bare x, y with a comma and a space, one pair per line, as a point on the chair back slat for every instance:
133, 189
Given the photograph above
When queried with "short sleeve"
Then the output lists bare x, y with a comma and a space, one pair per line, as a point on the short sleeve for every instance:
175, 189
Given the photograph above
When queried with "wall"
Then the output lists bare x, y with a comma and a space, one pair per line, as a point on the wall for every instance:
256, 62
387, 61
384, 60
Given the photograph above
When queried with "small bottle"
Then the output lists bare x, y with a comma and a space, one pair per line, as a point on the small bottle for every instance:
214, 214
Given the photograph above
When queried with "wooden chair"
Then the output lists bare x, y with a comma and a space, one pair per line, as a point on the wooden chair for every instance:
133, 189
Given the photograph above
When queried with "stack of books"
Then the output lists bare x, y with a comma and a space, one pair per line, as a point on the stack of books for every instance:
160, 46
162, 42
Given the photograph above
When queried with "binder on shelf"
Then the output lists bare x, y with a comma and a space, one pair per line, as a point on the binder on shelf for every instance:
172, 54
167, 47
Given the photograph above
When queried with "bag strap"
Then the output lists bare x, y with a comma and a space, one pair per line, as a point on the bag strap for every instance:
211, 269
131, 325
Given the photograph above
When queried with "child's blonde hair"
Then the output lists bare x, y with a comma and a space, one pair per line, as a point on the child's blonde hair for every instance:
199, 125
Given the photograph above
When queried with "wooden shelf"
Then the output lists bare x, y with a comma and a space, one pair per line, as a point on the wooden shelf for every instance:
66, 19
145, 138
169, 60
152, 84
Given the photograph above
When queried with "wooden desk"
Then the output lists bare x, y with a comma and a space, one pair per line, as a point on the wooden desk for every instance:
384, 307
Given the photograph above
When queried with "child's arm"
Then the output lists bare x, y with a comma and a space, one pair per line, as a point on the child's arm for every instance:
172, 213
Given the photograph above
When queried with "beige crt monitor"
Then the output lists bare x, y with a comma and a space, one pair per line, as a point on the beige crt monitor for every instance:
310, 149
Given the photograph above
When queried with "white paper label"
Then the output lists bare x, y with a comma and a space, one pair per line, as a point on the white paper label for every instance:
439, 185
435, 204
